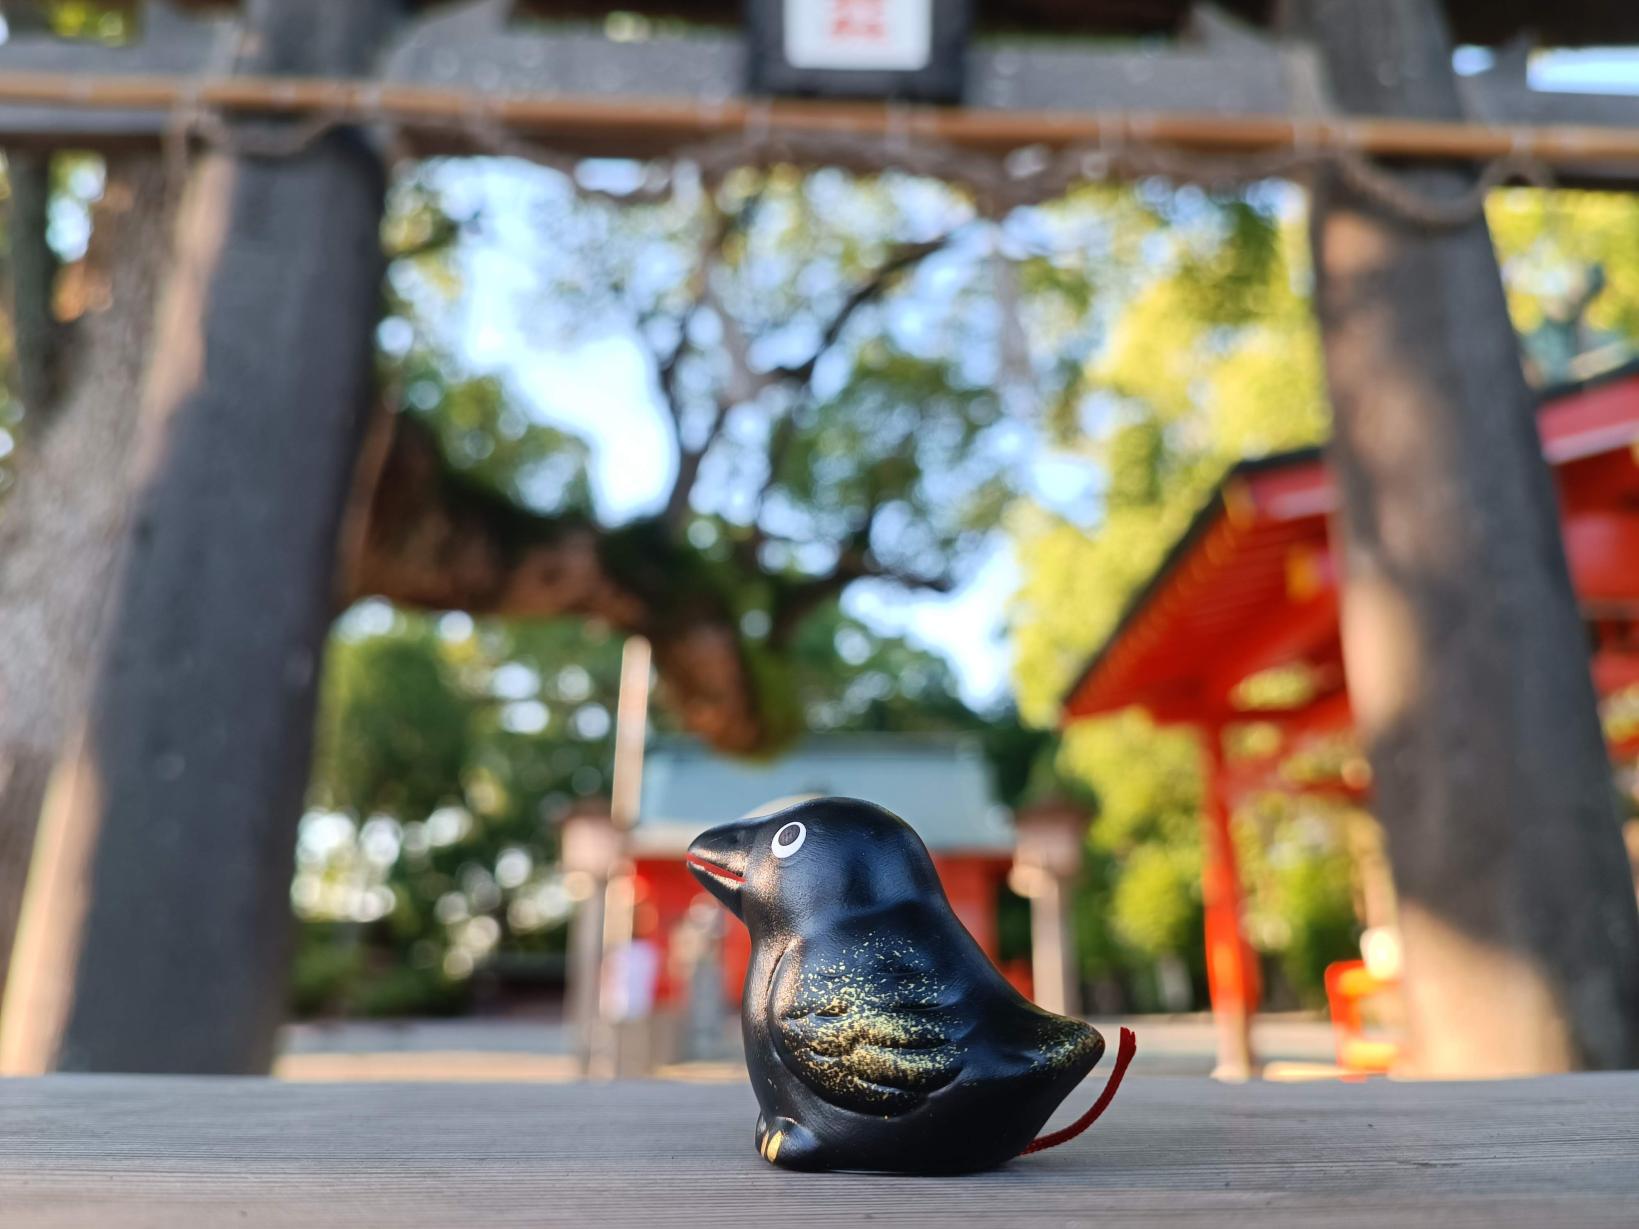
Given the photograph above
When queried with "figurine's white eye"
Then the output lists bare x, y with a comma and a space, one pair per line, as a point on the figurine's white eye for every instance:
789, 839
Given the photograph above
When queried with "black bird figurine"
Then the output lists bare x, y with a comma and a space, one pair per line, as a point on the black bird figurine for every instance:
878, 1035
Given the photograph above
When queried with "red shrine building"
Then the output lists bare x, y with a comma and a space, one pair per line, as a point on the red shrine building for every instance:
939, 784
1252, 588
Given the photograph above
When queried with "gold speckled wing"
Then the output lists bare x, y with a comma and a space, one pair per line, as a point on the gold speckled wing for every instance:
870, 1025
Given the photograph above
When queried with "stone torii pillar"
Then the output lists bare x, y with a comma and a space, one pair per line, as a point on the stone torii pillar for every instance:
156, 928
1466, 655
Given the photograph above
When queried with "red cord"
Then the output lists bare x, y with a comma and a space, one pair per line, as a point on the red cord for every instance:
1123, 1059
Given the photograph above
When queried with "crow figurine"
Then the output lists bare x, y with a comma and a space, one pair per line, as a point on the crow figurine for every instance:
877, 1033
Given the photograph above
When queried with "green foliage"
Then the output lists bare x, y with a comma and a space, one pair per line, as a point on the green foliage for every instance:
324, 970
1099, 942
1210, 355
845, 421
1141, 894
900, 427
103, 23
1147, 779
490, 441
848, 677
370, 759
1315, 896
1157, 902
1300, 887
1570, 261
447, 751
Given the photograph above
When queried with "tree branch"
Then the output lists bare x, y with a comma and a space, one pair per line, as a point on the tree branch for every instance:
426, 536
689, 460
437, 239
796, 600
903, 258
666, 372
429, 537
434, 539
745, 382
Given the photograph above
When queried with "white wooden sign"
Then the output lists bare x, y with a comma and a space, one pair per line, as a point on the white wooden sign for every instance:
859, 34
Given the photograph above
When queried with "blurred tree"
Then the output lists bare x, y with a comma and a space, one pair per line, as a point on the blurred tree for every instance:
1301, 889
1570, 263
822, 435
1211, 355
447, 750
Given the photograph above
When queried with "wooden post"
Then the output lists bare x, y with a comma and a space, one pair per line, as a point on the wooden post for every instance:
159, 939
1466, 656
1231, 966
613, 1048
631, 730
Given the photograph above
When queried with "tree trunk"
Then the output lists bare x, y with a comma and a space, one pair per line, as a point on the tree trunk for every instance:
1467, 659
156, 930
61, 528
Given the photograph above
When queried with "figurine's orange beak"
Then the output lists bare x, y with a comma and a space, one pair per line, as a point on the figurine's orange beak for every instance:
718, 859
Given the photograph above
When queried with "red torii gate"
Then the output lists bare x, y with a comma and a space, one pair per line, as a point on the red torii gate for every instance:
1252, 586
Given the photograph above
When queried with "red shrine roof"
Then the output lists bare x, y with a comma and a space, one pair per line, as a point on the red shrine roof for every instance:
1251, 585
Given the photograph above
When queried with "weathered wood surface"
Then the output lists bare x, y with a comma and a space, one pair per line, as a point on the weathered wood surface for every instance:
118, 1152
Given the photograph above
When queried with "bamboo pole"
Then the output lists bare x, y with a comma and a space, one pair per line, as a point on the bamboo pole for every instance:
661, 122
